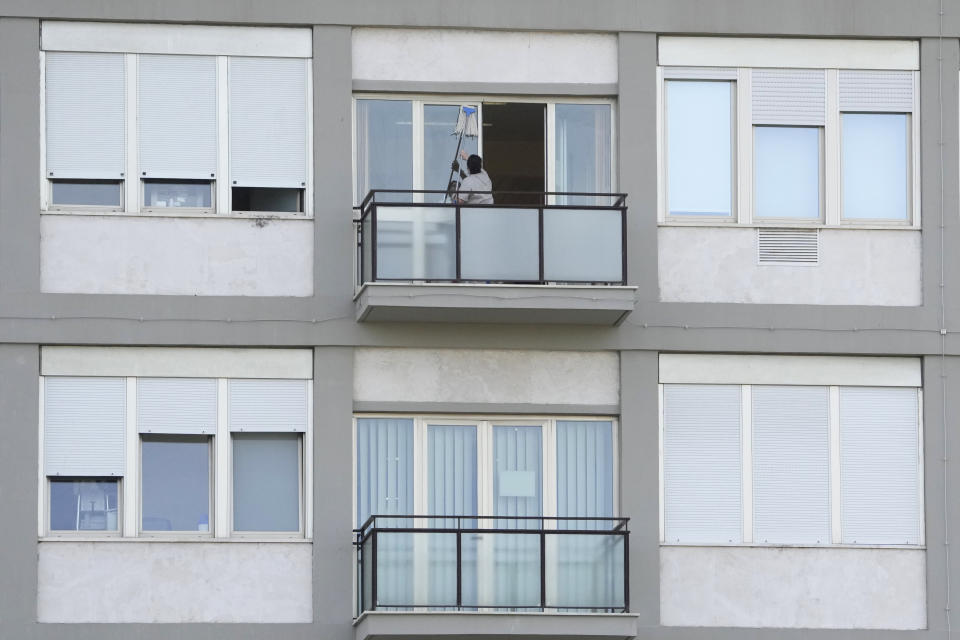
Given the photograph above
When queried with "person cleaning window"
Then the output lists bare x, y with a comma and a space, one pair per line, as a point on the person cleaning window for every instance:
476, 183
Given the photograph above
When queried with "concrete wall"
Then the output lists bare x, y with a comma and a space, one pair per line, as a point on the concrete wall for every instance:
793, 587
167, 255
146, 581
857, 266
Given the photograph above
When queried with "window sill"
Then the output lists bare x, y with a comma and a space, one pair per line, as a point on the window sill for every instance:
788, 225
766, 545
114, 538
178, 214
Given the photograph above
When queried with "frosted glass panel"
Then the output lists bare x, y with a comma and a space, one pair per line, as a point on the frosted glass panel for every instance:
699, 131
585, 571
875, 175
440, 146
416, 243
500, 244
176, 484
582, 245
787, 170
384, 147
266, 482
582, 153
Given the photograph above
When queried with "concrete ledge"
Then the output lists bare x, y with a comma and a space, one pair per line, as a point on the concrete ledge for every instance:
559, 626
500, 303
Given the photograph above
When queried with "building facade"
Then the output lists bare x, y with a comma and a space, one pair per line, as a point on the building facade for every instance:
266, 375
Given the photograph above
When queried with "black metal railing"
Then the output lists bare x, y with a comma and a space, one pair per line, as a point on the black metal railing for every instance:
422, 236
504, 563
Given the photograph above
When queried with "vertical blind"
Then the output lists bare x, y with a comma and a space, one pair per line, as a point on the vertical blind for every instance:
86, 115
177, 116
452, 470
585, 470
268, 122
384, 467
268, 405
83, 426
177, 405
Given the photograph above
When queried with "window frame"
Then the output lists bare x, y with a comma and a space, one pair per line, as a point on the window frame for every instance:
132, 195
147, 209
821, 177
211, 484
71, 534
281, 535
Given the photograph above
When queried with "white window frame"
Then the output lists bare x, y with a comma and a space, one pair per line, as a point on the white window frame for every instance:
221, 474
221, 188
419, 100
831, 178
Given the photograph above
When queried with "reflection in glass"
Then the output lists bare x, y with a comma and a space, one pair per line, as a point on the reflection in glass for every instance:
582, 153
874, 168
440, 145
176, 483
83, 505
499, 244
170, 193
87, 193
385, 147
699, 132
266, 482
787, 170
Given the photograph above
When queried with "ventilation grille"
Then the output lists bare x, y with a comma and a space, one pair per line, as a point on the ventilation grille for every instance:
788, 246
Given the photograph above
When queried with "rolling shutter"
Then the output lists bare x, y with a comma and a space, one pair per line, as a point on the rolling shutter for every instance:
879, 465
791, 473
177, 405
701, 463
789, 96
178, 116
86, 123
889, 91
268, 122
268, 405
83, 426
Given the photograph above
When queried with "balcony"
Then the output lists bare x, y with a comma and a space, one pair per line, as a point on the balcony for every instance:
551, 576
543, 258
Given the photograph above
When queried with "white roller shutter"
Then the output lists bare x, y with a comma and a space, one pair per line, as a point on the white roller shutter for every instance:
177, 405
889, 91
85, 94
701, 463
268, 405
791, 464
268, 122
178, 116
879, 465
789, 96
84, 421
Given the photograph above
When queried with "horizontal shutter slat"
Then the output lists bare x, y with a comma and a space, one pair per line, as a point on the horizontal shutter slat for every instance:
699, 73
268, 405
789, 96
84, 422
887, 91
177, 405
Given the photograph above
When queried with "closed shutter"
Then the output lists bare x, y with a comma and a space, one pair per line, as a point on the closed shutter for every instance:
384, 467
701, 463
86, 124
888, 91
879, 465
791, 464
268, 405
177, 405
178, 116
268, 122
84, 420
789, 96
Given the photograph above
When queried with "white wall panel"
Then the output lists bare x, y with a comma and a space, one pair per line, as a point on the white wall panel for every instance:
789, 96
83, 426
177, 405
793, 588
179, 581
86, 115
177, 116
176, 256
267, 405
701, 463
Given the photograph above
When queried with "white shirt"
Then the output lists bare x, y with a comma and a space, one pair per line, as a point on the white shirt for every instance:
476, 182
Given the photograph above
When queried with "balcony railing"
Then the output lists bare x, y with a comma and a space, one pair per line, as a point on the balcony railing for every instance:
498, 563
417, 236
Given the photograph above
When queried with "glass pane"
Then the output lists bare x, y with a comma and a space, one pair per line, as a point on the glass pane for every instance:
366, 575
366, 257
176, 484
83, 505
517, 474
177, 194
875, 174
584, 473
385, 147
499, 244
266, 482
513, 560
699, 133
582, 245
395, 554
384, 470
267, 199
416, 243
787, 169
585, 571
89, 193
582, 154
440, 146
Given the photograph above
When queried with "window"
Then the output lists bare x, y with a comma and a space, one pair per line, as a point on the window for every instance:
198, 443
807, 464
144, 130
785, 145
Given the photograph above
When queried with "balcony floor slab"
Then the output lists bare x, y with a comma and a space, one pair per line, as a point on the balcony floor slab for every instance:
494, 303
487, 626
